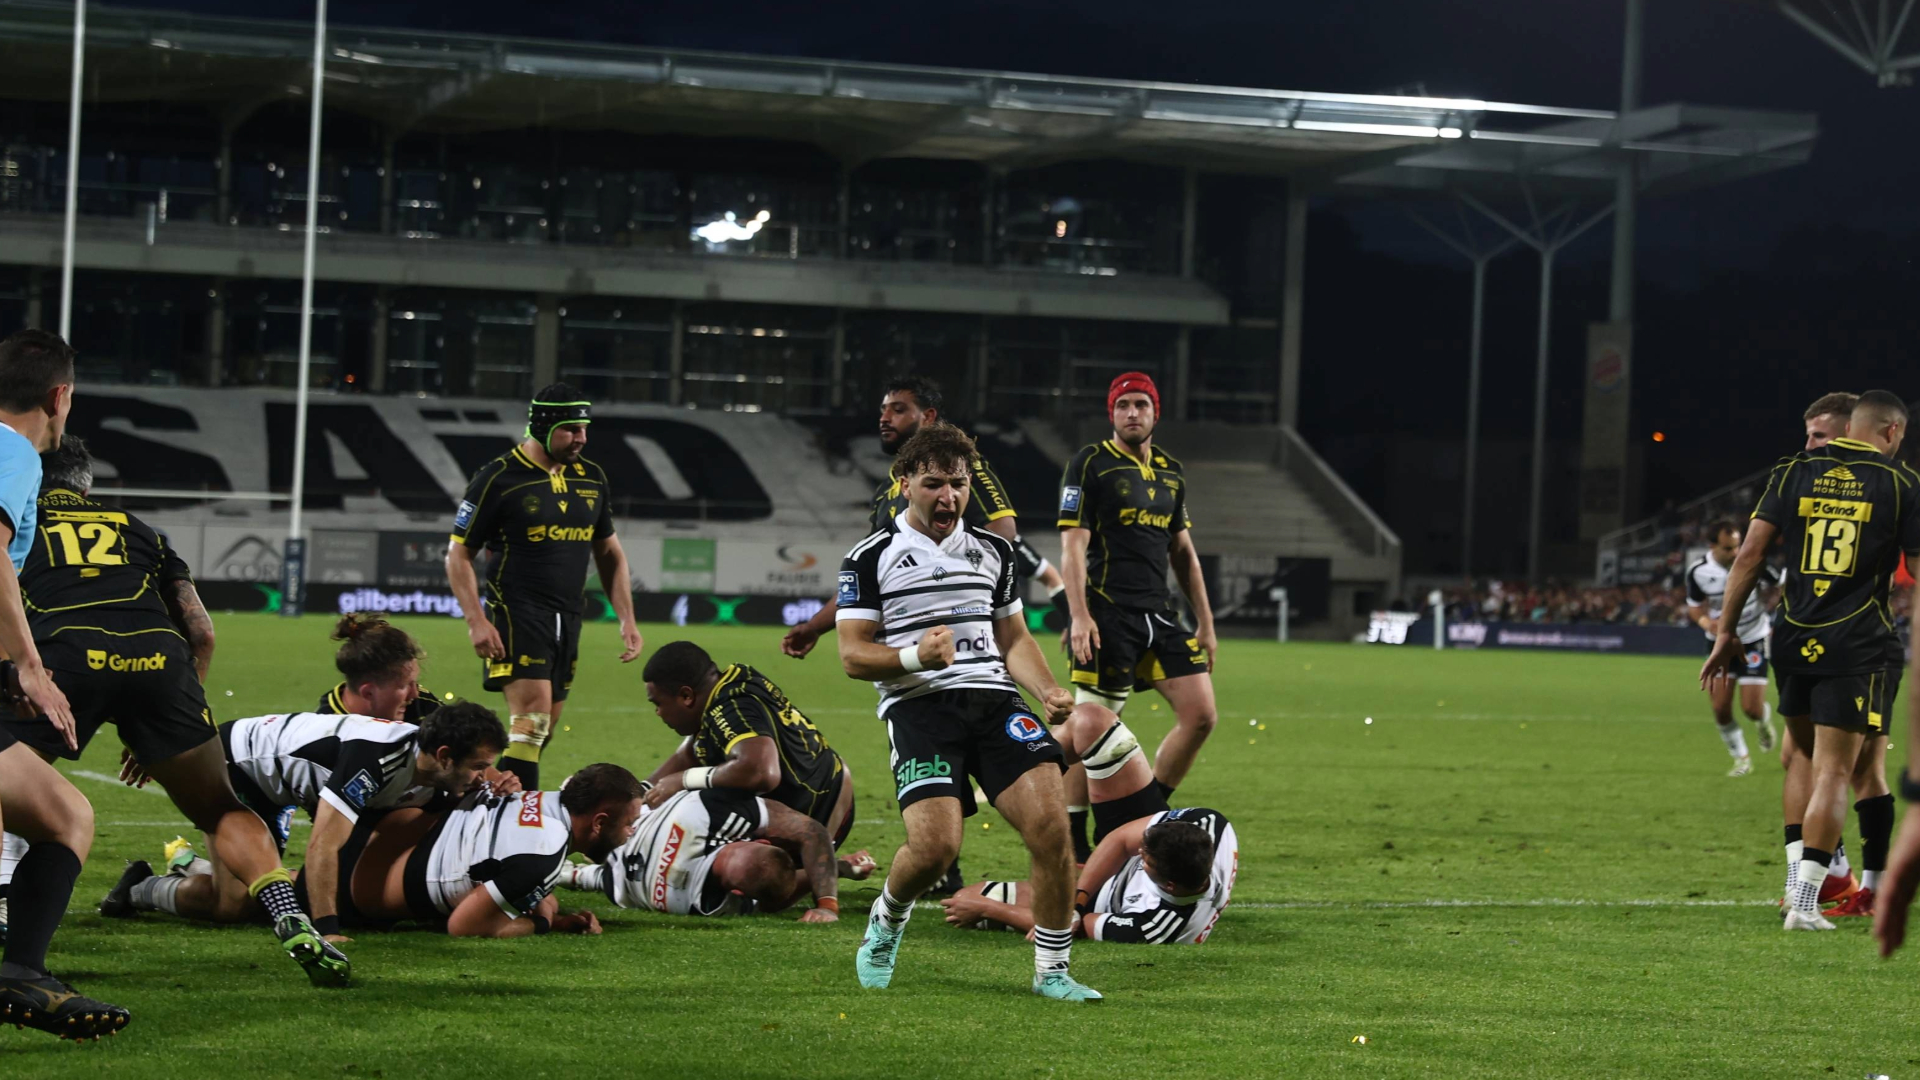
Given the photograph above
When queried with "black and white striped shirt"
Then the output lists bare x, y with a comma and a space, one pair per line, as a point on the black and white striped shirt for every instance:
1133, 908
355, 763
666, 866
513, 846
900, 578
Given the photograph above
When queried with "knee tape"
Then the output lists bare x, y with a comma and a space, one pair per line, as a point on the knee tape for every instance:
531, 728
1116, 701
1111, 752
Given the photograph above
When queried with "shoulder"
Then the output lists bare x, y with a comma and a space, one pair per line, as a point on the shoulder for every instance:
594, 471
1213, 821
1088, 452
1000, 544
1164, 460
493, 469
1694, 570
871, 547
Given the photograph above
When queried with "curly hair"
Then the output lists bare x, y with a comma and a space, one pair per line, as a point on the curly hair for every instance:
933, 445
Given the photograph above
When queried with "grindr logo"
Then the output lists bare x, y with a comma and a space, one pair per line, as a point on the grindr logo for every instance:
96, 659
99, 659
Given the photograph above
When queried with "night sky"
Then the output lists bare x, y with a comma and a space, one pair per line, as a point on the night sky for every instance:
1756, 296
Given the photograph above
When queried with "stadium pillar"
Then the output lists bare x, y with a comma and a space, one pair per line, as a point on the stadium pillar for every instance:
1626, 187
223, 199
1292, 286
386, 186
216, 367
36, 297
839, 388
73, 168
293, 569
546, 339
1182, 372
676, 355
382, 311
989, 243
1189, 218
980, 354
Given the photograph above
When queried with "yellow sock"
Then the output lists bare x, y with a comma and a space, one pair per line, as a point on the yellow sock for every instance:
278, 873
521, 751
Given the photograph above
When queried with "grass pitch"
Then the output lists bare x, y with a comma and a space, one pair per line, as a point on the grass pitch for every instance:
1527, 865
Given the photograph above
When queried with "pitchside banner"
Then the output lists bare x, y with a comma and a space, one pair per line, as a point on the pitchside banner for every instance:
1556, 637
1603, 443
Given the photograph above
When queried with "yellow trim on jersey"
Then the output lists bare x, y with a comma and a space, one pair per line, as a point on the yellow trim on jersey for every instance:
1871, 602
731, 673
1146, 470
998, 514
738, 739
118, 633
1853, 444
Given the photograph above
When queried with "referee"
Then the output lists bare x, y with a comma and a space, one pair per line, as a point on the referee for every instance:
540, 510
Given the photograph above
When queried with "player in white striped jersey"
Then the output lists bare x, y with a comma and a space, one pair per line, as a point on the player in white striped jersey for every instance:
694, 855
929, 611
336, 768
1161, 880
488, 868
1706, 588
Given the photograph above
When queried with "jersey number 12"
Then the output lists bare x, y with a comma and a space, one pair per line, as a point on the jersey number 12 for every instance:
100, 540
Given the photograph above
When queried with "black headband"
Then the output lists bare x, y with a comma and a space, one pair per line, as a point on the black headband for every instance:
544, 416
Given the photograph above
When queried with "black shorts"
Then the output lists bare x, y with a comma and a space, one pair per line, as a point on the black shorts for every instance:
940, 739
1749, 668
1114, 813
1859, 703
1136, 648
350, 852
414, 879
279, 817
540, 643
142, 683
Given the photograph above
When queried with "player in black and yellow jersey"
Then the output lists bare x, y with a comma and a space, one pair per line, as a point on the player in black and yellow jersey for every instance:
1845, 514
740, 731
910, 401
1123, 523
540, 510
381, 667
118, 622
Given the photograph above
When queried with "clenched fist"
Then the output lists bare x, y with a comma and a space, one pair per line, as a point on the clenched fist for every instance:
936, 649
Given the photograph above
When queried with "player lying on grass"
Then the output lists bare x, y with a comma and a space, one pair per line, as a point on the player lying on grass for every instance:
740, 732
488, 867
1126, 802
337, 769
696, 854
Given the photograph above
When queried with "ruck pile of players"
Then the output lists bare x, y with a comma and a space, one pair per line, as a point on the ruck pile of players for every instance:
433, 812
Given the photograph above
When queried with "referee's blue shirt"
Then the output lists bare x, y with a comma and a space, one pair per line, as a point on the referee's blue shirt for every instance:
19, 492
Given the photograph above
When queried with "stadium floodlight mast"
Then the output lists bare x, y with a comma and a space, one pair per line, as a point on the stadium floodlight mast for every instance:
1871, 43
73, 169
293, 562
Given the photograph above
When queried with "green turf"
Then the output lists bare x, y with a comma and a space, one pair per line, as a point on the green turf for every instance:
1556, 788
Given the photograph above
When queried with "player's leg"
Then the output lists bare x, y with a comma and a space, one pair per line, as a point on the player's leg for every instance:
378, 885
56, 820
1195, 715
1835, 750
1105, 679
933, 843
530, 727
1035, 805
1753, 702
1720, 698
1874, 808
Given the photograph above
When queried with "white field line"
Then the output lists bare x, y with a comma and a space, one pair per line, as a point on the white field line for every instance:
89, 774
1394, 905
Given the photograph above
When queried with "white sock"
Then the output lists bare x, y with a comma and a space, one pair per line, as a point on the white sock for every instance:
1793, 865
1839, 867
1806, 888
1735, 739
12, 849
1050, 949
157, 893
1870, 879
889, 911
197, 868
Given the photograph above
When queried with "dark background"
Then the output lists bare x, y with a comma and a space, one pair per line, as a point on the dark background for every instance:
1754, 298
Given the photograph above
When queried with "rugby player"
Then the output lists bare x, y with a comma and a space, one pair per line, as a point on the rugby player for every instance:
52, 818
337, 768
740, 732
929, 611
540, 510
695, 854
1132, 497
1903, 867
910, 401
114, 612
1706, 585
380, 672
489, 867
1845, 513
1161, 880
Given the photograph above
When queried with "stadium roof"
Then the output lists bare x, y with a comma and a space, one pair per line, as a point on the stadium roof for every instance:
412, 80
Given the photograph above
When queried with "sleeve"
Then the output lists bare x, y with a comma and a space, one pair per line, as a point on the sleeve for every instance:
858, 594
1910, 520
1182, 520
1076, 496
603, 523
1695, 594
1769, 574
989, 494
519, 882
1006, 587
367, 775
1155, 927
735, 720
724, 804
172, 566
1772, 507
478, 515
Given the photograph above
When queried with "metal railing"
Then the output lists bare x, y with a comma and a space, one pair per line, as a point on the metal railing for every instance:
1347, 509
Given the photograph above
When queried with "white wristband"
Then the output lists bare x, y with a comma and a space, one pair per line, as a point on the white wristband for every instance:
697, 779
910, 658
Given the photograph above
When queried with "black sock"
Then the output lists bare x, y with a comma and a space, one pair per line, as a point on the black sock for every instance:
1876, 830
1166, 789
1077, 825
45, 878
1793, 834
527, 771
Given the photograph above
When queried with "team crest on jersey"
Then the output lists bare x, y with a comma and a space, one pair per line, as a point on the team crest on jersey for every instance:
1070, 499
531, 504
1123, 487
579, 469
530, 810
1820, 586
1023, 728
849, 587
975, 557
463, 516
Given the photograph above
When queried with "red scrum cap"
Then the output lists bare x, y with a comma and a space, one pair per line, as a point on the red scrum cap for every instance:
1133, 382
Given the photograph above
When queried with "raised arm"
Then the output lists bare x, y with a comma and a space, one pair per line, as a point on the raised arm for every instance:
864, 658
